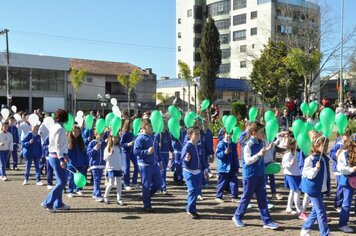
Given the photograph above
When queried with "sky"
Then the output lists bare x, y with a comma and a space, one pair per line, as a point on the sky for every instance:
141, 32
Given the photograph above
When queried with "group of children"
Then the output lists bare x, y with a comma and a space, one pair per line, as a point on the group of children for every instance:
110, 156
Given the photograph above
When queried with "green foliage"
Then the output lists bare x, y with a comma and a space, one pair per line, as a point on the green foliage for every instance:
130, 81
77, 78
210, 60
352, 125
162, 98
239, 110
215, 127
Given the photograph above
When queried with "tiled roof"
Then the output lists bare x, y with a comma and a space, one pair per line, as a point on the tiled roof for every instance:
104, 67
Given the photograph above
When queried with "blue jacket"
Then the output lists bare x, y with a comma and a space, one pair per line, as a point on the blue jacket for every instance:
142, 143
87, 133
178, 143
229, 162
220, 136
242, 142
34, 149
257, 169
45, 144
313, 186
96, 157
333, 152
301, 157
209, 142
197, 162
166, 142
126, 138
78, 157
15, 134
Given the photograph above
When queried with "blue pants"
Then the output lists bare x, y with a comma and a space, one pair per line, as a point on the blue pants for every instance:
339, 193
3, 159
42, 163
272, 183
165, 159
130, 157
37, 168
71, 184
317, 212
193, 185
14, 157
346, 205
97, 174
49, 173
250, 186
151, 182
54, 198
224, 180
178, 173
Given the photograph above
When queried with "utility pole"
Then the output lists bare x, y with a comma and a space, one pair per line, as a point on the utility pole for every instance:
341, 52
8, 94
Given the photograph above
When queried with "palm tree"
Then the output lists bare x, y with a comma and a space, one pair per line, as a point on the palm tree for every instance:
77, 79
185, 73
162, 98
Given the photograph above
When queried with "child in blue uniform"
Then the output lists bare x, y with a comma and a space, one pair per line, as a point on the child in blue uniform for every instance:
165, 148
176, 164
32, 151
49, 168
145, 148
253, 174
15, 138
316, 182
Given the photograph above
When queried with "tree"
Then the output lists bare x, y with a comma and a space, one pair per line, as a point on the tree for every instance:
130, 82
210, 54
162, 98
271, 78
304, 64
77, 79
185, 74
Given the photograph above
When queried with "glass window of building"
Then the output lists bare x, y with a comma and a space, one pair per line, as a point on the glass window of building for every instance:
222, 24
239, 19
238, 4
2, 78
219, 8
179, 21
179, 35
225, 53
179, 48
224, 38
47, 80
253, 31
224, 68
253, 15
242, 64
243, 48
239, 35
236, 95
189, 13
19, 78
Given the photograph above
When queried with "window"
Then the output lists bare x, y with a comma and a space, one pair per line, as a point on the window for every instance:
224, 68
198, 12
253, 15
179, 48
47, 80
89, 79
198, 28
239, 19
235, 95
179, 35
179, 21
278, 12
219, 8
222, 24
197, 57
238, 4
253, 31
243, 77
242, 64
284, 29
219, 95
189, 13
243, 48
239, 35
253, 46
224, 38
197, 42
177, 94
225, 53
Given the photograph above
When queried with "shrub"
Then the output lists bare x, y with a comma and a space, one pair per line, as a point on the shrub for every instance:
239, 110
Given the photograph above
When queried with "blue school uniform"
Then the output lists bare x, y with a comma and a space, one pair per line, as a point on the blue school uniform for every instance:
97, 164
313, 186
15, 138
192, 174
32, 152
148, 166
227, 168
78, 161
165, 148
339, 192
87, 135
253, 174
127, 152
49, 168
176, 164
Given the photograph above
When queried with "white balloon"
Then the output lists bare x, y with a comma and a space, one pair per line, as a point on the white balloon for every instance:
5, 113
14, 109
33, 119
48, 122
113, 101
39, 123
80, 113
17, 117
79, 120
116, 111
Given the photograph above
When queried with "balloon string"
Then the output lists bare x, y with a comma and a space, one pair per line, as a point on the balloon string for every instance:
70, 171
322, 150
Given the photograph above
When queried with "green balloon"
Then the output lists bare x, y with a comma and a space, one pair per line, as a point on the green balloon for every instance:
272, 169
100, 126
224, 119
79, 180
304, 143
313, 106
252, 114
204, 105
136, 126
318, 127
68, 126
236, 134
115, 125
174, 112
327, 120
305, 108
230, 123
308, 127
272, 128
269, 115
53, 115
109, 118
156, 120
298, 127
89, 120
341, 122
189, 119
174, 127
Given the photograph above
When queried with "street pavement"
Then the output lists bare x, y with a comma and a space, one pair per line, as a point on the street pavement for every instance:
21, 213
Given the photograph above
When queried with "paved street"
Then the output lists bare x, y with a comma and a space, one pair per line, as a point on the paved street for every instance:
23, 215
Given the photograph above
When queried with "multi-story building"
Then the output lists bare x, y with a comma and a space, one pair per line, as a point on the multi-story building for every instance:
245, 27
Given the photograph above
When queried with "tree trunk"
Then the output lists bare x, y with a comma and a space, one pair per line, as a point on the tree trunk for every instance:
188, 98
305, 89
128, 103
75, 103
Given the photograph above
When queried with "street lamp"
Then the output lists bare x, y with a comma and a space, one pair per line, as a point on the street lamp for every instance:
103, 100
8, 95
183, 88
196, 81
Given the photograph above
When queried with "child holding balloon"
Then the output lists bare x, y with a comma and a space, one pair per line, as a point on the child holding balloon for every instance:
165, 146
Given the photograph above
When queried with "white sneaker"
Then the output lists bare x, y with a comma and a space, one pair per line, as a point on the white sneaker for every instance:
25, 182
49, 187
128, 188
70, 195
99, 199
200, 198
39, 183
346, 229
305, 232
137, 186
80, 193
4, 178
